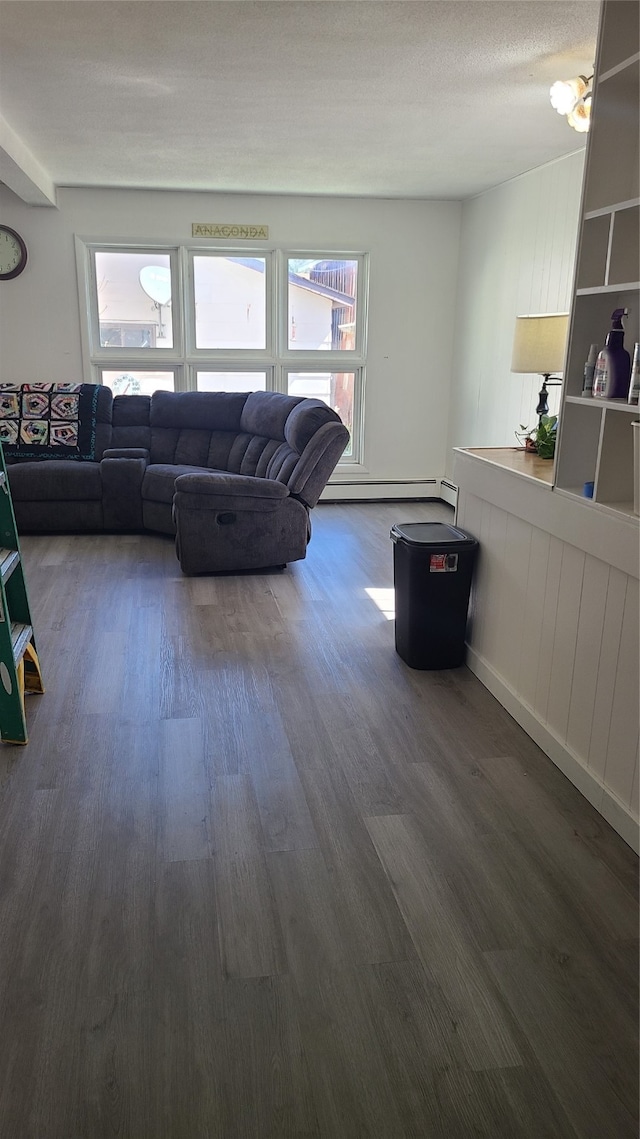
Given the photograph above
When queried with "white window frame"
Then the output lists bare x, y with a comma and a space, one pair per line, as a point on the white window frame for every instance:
184, 359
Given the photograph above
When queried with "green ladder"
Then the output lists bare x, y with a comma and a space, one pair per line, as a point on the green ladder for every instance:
19, 665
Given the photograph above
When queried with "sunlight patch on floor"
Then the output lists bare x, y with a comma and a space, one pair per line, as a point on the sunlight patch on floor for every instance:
385, 599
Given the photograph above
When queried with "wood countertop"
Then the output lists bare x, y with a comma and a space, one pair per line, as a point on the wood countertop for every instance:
516, 459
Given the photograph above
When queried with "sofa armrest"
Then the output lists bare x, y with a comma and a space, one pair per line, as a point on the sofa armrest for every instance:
126, 453
122, 472
317, 462
219, 490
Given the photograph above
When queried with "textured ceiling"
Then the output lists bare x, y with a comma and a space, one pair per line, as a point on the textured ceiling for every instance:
436, 99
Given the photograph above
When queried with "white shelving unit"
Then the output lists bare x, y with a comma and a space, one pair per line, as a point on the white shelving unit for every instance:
596, 438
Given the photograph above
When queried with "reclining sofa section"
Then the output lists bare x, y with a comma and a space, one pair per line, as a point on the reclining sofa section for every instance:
233, 476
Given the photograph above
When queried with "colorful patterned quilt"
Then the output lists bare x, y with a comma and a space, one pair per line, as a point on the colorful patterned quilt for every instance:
48, 421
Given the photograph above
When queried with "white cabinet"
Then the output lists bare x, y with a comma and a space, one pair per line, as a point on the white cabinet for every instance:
596, 437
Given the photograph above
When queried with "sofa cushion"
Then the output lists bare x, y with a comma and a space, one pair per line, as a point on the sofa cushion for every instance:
215, 411
265, 413
305, 419
131, 421
158, 483
63, 480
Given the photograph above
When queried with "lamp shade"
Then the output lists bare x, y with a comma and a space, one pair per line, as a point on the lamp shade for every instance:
539, 343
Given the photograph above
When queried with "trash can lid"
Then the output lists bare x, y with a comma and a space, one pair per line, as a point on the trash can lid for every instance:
431, 534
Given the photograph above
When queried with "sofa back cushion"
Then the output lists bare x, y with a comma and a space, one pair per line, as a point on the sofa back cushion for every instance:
131, 421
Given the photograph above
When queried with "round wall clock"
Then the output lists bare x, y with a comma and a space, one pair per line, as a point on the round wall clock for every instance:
13, 253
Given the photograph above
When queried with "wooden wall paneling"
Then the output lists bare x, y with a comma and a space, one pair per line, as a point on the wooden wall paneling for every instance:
533, 615
469, 517
564, 641
624, 729
587, 654
606, 671
514, 592
548, 627
517, 246
494, 554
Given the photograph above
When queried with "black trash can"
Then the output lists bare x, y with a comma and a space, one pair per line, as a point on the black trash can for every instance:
432, 572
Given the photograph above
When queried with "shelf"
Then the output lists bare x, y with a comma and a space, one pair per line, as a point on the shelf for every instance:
611, 404
596, 290
611, 209
619, 67
618, 509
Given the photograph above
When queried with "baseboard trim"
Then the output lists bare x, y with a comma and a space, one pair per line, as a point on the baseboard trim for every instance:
449, 492
372, 489
600, 797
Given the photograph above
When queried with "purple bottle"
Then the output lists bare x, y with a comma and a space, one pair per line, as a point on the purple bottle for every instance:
613, 366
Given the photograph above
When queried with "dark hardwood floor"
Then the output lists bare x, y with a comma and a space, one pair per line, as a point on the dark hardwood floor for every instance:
260, 879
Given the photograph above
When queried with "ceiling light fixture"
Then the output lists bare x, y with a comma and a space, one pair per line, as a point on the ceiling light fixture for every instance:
572, 97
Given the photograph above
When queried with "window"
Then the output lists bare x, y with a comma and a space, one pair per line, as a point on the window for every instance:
138, 382
229, 302
231, 381
133, 299
209, 319
321, 304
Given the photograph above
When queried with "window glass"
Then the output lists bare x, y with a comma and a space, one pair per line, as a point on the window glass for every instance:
230, 297
138, 383
334, 388
231, 381
134, 299
321, 311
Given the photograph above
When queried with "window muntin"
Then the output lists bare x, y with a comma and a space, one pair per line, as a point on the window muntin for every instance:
321, 304
133, 292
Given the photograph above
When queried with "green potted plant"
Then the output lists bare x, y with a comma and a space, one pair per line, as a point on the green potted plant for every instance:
541, 438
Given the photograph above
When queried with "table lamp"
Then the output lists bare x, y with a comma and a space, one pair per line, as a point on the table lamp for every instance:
539, 346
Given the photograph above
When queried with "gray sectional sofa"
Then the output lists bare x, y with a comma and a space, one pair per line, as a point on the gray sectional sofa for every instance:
232, 476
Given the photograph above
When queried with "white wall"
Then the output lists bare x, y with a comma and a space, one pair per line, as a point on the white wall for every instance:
414, 261
517, 252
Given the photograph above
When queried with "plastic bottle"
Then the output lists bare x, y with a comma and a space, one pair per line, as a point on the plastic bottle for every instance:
634, 386
613, 366
589, 369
